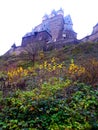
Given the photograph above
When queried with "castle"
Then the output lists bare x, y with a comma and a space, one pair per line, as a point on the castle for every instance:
54, 27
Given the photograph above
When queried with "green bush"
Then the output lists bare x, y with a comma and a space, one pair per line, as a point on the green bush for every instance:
77, 111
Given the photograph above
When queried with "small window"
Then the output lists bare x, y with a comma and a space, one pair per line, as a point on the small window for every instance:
64, 36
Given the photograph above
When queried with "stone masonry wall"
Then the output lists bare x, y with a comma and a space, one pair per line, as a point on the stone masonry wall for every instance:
93, 37
56, 25
40, 36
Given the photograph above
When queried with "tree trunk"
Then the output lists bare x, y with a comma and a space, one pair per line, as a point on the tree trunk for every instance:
33, 59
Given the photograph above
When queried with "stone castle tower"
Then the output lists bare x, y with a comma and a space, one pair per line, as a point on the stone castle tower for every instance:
54, 27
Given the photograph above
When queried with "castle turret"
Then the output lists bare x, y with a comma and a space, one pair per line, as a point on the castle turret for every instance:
68, 25
68, 28
53, 13
60, 12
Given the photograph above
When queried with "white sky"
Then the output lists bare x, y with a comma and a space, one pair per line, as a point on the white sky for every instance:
17, 17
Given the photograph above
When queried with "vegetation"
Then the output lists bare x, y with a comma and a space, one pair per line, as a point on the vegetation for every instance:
58, 92
32, 49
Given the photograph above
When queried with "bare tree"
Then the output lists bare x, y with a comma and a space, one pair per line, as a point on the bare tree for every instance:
33, 48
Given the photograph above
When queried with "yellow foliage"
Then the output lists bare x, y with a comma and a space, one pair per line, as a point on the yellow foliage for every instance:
40, 67
60, 66
75, 71
41, 54
16, 73
53, 60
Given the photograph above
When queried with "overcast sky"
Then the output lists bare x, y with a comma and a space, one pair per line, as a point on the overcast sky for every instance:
17, 17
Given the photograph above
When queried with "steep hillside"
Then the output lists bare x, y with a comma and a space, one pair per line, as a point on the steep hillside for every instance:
79, 52
73, 59
58, 92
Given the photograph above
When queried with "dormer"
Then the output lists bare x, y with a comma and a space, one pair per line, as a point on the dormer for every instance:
60, 12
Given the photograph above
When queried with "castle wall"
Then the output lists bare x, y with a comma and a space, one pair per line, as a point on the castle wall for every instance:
27, 40
95, 29
56, 25
53, 28
93, 37
39, 36
17, 51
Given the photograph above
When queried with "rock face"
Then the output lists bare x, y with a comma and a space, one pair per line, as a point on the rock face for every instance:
54, 27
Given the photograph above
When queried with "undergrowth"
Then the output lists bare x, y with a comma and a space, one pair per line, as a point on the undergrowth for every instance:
38, 110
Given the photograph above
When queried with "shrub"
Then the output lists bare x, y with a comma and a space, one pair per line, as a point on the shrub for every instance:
87, 73
91, 72
75, 112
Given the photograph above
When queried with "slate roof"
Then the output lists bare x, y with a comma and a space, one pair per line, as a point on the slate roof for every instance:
68, 20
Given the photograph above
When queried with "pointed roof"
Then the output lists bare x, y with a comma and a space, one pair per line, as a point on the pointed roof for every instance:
60, 11
68, 20
54, 12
